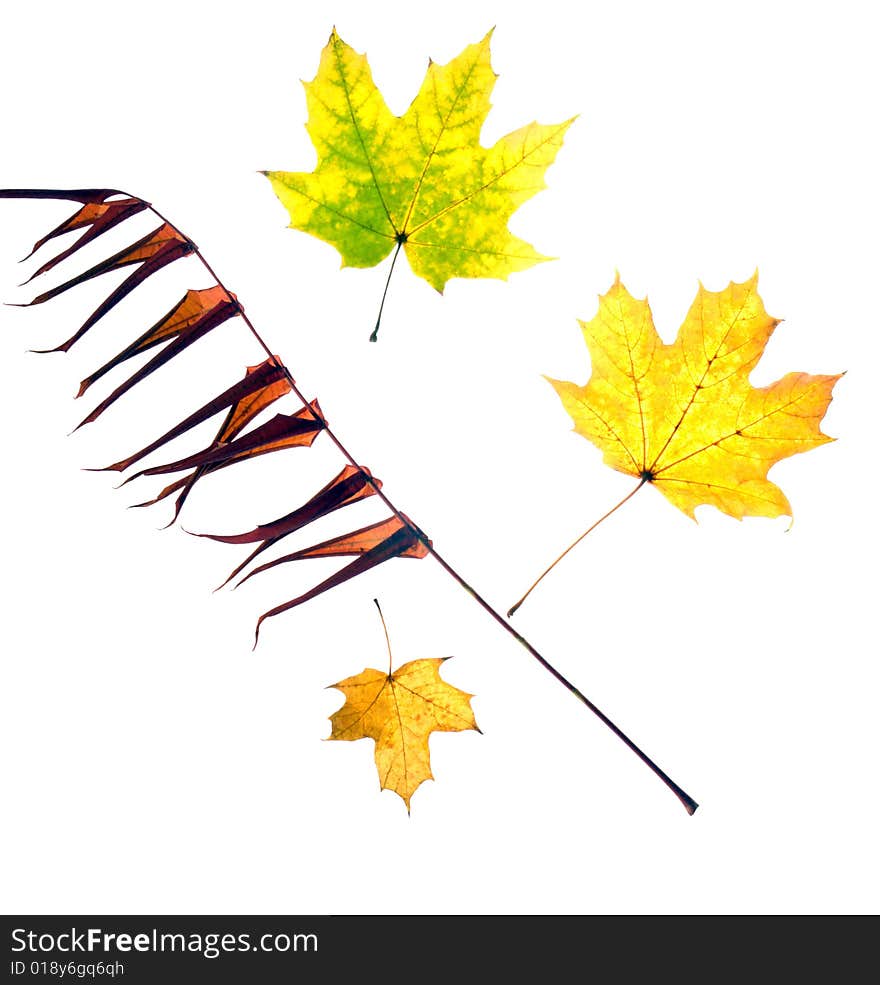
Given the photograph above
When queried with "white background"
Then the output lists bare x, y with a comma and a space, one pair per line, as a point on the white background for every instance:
153, 763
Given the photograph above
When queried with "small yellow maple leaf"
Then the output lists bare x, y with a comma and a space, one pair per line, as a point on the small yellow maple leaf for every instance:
399, 711
421, 180
684, 416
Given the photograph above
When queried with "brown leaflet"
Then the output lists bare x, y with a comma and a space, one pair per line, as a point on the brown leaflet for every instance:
297, 430
267, 374
358, 542
95, 212
100, 217
81, 195
196, 314
394, 537
350, 485
185, 482
153, 251
84, 196
249, 404
240, 414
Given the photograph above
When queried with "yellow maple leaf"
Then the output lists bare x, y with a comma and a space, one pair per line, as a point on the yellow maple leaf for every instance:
421, 181
399, 711
684, 416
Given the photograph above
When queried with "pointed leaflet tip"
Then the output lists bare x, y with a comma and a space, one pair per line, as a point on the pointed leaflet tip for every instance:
486, 38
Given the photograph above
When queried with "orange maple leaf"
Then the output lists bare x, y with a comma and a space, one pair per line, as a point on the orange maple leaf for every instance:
399, 711
684, 416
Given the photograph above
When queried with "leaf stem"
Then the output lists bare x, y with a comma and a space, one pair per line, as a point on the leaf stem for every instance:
574, 544
401, 239
387, 637
690, 805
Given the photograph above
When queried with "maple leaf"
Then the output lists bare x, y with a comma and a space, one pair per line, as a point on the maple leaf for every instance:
421, 181
399, 711
684, 416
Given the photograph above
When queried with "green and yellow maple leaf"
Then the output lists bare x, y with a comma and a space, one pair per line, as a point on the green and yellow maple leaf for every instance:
421, 181
399, 711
